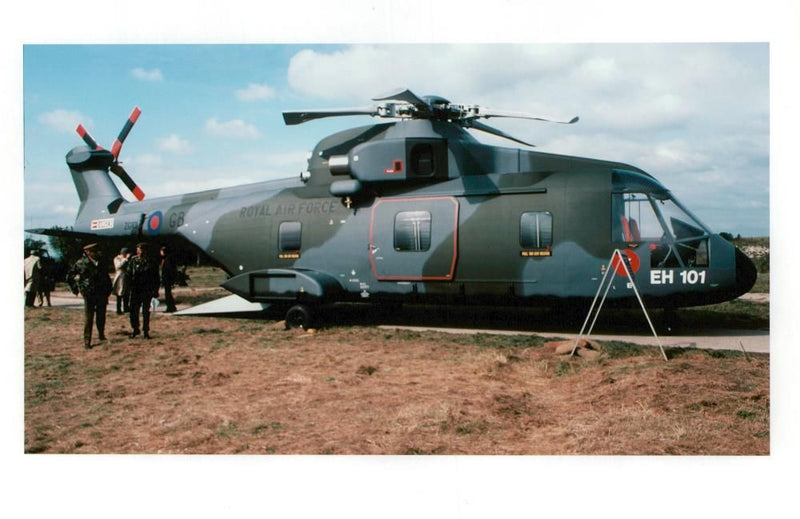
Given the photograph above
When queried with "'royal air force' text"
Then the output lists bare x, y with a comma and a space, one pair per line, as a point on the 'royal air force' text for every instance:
293, 209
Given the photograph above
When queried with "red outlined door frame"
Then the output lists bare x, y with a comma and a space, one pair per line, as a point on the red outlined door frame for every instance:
448, 276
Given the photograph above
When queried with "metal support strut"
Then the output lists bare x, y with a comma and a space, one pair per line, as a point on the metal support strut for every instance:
623, 260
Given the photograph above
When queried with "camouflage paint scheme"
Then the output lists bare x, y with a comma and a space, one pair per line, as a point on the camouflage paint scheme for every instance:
471, 195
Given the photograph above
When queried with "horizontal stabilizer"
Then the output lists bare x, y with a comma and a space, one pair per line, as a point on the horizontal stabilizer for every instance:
63, 233
225, 305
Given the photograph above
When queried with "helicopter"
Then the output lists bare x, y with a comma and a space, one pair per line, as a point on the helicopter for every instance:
415, 209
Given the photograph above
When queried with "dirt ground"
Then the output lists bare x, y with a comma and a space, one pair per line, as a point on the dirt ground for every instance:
224, 385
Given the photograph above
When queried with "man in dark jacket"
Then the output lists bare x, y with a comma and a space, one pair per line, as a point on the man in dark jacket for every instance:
143, 276
89, 276
169, 275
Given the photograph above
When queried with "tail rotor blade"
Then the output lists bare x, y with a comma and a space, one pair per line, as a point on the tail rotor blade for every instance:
87, 138
127, 180
126, 129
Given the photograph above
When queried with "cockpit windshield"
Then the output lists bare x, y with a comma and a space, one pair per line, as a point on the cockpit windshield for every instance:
677, 239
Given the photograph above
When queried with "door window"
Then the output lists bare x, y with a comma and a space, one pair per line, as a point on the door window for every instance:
412, 231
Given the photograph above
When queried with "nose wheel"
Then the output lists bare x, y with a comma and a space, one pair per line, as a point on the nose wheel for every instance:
300, 316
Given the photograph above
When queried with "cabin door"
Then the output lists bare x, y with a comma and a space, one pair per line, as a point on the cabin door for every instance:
414, 239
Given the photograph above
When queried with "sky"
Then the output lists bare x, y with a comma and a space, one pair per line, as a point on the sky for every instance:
695, 115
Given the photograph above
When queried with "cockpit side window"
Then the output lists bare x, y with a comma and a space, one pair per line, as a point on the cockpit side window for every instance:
676, 238
638, 220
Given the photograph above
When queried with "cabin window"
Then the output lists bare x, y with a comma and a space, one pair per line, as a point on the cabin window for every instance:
412, 231
289, 236
536, 230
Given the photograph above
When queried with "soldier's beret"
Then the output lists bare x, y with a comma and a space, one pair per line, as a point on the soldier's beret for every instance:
91, 246
143, 245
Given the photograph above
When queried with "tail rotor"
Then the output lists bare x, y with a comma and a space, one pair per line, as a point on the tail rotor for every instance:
115, 166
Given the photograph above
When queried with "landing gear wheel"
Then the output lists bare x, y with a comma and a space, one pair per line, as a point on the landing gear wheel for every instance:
299, 316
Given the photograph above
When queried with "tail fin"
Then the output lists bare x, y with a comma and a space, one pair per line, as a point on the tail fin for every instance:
97, 192
89, 170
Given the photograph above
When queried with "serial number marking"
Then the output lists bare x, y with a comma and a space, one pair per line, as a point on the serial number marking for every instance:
684, 277
102, 223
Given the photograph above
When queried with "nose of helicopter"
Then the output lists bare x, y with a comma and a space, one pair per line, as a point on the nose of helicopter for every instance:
745, 273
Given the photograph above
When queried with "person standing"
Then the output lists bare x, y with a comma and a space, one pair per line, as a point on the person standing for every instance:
121, 282
169, 275
33, 268
143, 276
47, 280
89, 276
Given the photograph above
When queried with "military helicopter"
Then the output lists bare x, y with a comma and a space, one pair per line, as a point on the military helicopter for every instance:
416, 209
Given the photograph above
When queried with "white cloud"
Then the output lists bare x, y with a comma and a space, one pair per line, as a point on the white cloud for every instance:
193, 184
657, 87
255, 92
290, 161
68, 210
676, 155
639, 112
51, 202
145, 160
180, 179
147, 75
235, 128
174, 144
462, 73
599, 70
64, 121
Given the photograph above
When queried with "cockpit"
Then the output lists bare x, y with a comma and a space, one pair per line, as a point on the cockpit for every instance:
643, 211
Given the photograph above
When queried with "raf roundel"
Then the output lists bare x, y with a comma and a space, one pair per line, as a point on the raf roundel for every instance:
154, 223
633, 261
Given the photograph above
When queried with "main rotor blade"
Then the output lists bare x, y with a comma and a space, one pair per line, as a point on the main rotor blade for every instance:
488, 112
127, 180
494, 131
87, 138
405, 95
300, 116
126, 129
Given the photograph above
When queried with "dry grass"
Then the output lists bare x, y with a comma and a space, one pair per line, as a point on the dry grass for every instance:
216, 385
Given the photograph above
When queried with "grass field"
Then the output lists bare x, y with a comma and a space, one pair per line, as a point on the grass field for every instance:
225, 385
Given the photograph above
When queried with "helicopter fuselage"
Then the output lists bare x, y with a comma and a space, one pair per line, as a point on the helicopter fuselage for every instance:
420, 211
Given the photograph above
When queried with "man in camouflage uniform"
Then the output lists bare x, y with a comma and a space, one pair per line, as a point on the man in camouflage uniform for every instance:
144, 280
89, 276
